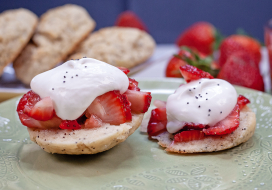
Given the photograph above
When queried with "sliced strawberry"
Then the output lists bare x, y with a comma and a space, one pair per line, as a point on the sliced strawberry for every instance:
27, 102
158, 114
43, 110
227, 125
242, 101
155, 128
133, 85
69, 124
130, 19
126, 107
111, 107
25, 105
157, 122
124, 69
33, 123
190, 73
93, 122
159, 103
186, 136
140, 101
193, 126
81, 120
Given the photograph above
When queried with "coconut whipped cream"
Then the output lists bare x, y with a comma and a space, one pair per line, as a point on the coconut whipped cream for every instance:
76, 83
203, 101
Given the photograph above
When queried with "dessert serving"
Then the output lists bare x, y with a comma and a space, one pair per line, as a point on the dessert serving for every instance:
204, 115
82, 107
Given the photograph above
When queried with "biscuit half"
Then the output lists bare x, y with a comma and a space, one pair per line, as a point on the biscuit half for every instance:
59, 32
118, 46
16, 28
213, 143
84, 141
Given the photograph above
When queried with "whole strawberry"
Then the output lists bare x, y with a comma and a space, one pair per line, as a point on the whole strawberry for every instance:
237, 43
188, 56
240, 69
172, 69
200, 36
130, 19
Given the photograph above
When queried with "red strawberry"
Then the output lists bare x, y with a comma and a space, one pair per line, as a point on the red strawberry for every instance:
82, 119
193, 126
69, 124
194, 58
190, 73
199, 36
93, 122
186, 136
227, 125
28, 101
125, 70
33, 123
25, 105
236, 43
111, 107
140, 101
133, 85
157, 122
172, 69
127, 107
242, 101
159, 103
130, 19
43, 110
155, 128
238, 70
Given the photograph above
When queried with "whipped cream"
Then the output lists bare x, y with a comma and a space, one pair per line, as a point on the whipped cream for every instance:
203, 101
76, 83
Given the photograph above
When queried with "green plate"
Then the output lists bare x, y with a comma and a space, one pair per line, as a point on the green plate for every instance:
138, 163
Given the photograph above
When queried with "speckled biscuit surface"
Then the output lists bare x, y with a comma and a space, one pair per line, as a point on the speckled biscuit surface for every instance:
118, 46
84, 141
58, 33
213, 143
16, 28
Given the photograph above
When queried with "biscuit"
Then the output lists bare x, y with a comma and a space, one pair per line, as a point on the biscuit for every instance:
213, 143
16, 28
58, 33
118, 46
84, 141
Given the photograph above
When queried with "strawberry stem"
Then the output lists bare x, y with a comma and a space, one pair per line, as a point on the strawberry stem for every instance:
201, 63
219, 37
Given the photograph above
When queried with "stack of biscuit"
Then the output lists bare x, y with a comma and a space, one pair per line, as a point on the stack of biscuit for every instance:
35, 46
16, 28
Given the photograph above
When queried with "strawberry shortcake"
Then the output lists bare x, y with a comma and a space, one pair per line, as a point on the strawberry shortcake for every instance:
204, 115
83, 106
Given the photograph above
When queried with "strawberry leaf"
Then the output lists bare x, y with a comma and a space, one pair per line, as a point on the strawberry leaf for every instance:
204, 63
219, 37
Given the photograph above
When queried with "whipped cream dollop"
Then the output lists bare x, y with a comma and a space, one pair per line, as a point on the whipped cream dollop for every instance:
203, 101
76, 83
